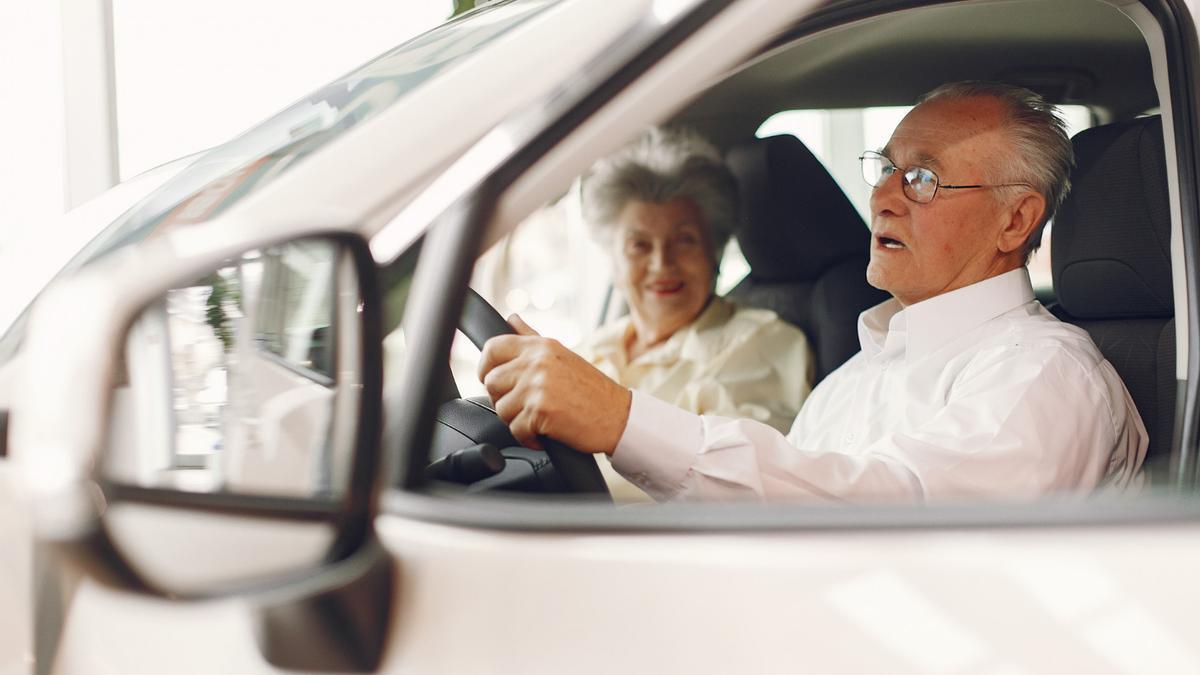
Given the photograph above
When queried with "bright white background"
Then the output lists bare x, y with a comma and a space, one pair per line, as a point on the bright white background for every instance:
189, 75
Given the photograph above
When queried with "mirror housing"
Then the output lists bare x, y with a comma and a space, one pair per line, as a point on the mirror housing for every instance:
117, 526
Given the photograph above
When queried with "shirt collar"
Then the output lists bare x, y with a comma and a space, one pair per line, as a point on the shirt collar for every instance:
921, 328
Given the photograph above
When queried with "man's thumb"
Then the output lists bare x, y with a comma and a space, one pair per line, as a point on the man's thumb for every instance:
520, 326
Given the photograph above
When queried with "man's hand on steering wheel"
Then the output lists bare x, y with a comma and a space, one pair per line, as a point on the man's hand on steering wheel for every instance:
541, 388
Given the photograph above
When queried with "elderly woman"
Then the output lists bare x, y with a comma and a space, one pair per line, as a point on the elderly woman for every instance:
664, 208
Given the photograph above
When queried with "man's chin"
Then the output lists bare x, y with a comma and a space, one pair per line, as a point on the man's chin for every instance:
878, 277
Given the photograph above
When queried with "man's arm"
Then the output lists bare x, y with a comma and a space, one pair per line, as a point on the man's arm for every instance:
1050, 425
540, 387
674, 454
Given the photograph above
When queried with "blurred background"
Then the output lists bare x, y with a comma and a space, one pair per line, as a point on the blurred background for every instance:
101, 91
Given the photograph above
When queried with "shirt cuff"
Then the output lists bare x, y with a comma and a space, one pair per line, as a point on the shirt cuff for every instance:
659, 445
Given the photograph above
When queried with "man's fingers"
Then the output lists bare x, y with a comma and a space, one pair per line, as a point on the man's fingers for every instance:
501, 380
496, 351
522, 410
520, 326
521, 422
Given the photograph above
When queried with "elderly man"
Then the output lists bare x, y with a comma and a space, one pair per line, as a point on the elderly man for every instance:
965, 386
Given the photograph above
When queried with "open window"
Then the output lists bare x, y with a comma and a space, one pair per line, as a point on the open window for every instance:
839, 81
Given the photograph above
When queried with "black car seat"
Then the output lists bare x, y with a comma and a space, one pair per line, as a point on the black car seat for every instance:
806, 245
1111, 255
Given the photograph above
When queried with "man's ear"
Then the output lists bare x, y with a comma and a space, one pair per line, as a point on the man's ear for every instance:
1024, 218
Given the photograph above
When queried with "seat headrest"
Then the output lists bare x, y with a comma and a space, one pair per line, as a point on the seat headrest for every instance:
796, 221
1111, 239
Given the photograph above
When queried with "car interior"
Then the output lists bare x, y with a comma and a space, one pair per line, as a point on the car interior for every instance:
805, 244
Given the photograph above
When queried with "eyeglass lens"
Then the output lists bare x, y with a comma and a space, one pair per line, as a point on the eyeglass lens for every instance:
920, 184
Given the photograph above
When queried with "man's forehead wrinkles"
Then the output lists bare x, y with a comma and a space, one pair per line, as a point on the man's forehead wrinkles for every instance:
907, 157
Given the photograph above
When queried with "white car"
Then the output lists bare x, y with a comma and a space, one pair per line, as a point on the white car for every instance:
242, 417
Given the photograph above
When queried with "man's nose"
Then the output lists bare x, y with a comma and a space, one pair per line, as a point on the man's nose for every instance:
887, 198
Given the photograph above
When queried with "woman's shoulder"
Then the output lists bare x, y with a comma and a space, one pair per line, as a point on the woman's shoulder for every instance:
764, 320
744, 324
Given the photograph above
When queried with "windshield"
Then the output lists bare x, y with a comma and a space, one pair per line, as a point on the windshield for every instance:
224, 175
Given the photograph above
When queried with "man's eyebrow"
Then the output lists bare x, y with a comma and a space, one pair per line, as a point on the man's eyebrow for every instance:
929, 161
923, 158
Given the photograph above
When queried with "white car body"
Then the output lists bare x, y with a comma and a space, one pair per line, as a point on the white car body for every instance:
1093, 587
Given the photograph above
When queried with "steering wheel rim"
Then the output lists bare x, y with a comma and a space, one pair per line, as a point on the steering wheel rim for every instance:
578, 470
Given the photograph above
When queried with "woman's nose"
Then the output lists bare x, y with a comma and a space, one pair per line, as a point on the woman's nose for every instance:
663, 256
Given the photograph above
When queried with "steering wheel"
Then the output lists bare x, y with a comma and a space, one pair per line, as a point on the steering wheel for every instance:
578, 470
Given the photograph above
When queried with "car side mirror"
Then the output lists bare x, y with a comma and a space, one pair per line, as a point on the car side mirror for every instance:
214, 429
240, 394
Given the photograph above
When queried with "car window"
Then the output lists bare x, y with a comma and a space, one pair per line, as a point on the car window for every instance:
560, 286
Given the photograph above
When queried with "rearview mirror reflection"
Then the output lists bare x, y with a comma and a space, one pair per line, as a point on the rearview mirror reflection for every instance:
235, 382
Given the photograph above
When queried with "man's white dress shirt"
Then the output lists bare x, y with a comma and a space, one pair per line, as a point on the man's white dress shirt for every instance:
975, 392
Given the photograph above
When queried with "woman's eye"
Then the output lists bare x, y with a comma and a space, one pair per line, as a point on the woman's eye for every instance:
637, 246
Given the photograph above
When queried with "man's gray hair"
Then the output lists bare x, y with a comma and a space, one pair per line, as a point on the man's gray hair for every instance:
1042, 154
661, 166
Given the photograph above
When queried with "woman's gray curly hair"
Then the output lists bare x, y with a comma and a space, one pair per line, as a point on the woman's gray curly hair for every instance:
661, 166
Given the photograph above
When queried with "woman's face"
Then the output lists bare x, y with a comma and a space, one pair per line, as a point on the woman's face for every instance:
663, 265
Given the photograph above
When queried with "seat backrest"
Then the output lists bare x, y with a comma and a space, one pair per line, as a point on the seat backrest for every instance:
1111, 255
806, 245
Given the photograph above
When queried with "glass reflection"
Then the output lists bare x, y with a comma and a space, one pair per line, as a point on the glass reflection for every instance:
232, 380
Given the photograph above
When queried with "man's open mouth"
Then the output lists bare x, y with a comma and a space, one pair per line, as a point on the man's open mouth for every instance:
888, 242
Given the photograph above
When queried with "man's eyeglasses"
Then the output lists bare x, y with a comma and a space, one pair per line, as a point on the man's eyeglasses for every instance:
919, 184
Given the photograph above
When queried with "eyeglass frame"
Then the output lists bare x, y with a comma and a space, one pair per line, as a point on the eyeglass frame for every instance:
906, 186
